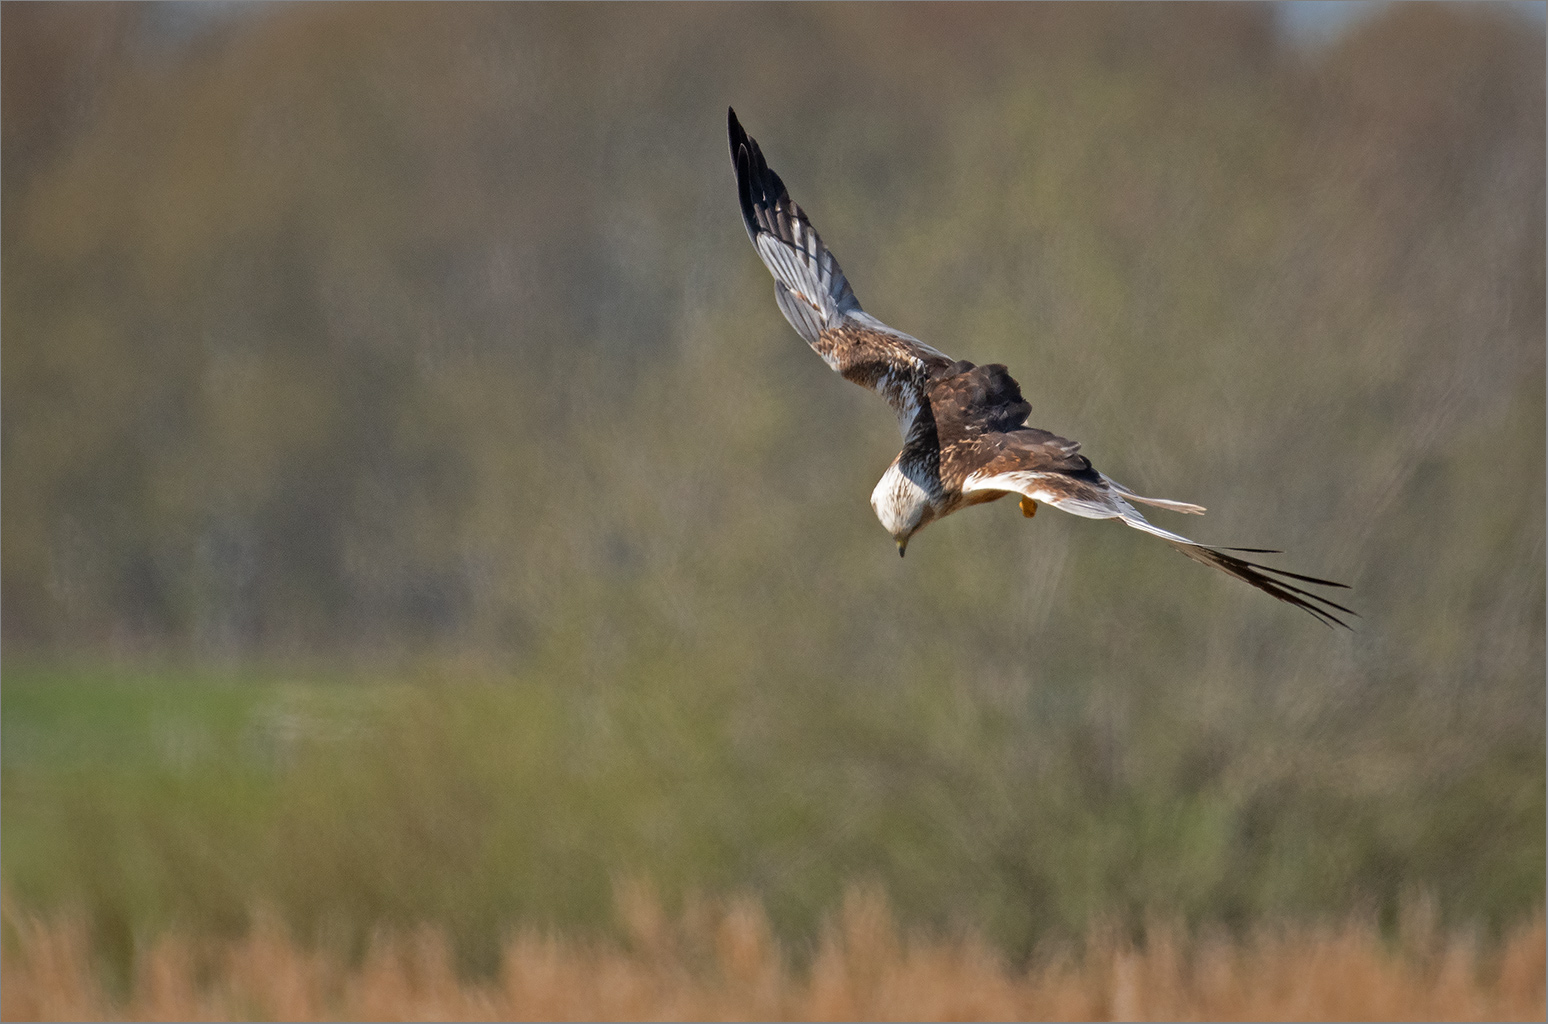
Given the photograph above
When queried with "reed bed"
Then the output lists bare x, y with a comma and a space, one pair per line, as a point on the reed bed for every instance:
720, 961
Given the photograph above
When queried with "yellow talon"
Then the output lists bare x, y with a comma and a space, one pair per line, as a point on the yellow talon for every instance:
1028, 507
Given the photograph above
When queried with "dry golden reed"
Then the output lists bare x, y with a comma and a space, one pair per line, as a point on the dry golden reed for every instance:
722, 962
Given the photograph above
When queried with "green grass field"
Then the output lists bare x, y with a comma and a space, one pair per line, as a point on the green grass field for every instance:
151, 800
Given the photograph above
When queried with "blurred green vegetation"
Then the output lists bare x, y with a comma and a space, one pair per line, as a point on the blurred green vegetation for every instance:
174, 799
424, 344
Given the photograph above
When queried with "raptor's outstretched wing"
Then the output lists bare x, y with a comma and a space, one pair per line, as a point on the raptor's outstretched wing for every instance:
815, 296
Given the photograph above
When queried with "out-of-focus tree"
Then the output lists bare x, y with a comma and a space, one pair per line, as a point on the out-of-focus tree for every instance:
342, 329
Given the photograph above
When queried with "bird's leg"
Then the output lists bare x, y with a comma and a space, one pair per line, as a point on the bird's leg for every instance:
1028, 507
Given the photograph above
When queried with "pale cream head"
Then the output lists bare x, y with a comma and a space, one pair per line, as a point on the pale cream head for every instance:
901, 505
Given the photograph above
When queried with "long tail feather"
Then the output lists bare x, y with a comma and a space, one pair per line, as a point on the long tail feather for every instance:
1251, 573
1255, 575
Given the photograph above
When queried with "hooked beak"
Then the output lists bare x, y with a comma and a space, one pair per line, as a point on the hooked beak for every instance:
902, 547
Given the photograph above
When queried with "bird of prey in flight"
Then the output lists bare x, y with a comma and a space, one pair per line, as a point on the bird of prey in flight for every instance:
965, 438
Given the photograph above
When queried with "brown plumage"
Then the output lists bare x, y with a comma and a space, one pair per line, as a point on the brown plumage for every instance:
965, 438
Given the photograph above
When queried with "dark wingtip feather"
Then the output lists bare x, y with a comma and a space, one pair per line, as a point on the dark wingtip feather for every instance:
735, 131
759, 190
744, 158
